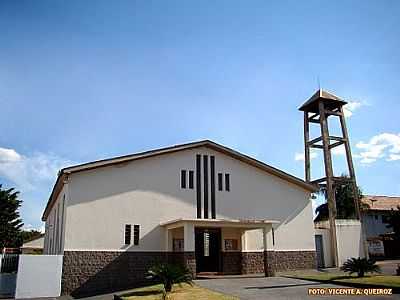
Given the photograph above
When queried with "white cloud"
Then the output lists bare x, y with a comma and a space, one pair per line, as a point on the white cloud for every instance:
339, 150
350, 107
28, 172
393, 157
30, 227
9, 155
299, 156
382, 146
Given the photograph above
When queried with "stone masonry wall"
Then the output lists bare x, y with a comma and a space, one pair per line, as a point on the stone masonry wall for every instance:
294, 260
88, 273
231, 262
252, 262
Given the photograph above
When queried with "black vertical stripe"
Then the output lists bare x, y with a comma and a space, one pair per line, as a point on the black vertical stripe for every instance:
183, 179
212, 169
219, 181
198, 185
227, 183
205, 184
191, 182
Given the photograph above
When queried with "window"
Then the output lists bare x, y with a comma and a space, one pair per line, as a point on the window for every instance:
178, 245
128, 229
376, 217
191, 179
183, 179
231, 244
219, 181
227, 183
206, 243
136, 235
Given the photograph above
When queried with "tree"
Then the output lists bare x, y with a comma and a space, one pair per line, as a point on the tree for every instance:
344, 196
169, 274
10, 222
360, 266
393, 221
30, 235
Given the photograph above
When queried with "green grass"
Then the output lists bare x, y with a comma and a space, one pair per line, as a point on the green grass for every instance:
378, 280
179, 292
340, 277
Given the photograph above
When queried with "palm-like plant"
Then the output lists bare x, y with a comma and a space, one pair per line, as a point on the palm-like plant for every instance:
360, 266
169, 274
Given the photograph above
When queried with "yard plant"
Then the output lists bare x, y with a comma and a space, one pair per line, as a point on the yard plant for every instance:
170, 274
360, 266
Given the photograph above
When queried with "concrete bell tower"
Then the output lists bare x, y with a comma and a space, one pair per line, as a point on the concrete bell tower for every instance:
317, 110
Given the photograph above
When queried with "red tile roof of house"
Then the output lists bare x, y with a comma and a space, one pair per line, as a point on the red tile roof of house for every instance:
381, 202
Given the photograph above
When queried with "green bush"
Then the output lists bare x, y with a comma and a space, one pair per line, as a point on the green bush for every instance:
360, 266
169, 274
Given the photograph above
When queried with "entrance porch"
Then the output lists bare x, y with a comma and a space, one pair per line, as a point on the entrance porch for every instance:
218, 246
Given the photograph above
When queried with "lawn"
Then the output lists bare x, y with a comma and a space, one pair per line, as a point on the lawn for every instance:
184, 291
371, 280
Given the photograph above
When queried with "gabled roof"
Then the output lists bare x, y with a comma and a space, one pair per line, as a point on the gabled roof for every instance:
62, 175
381, 202
330, 99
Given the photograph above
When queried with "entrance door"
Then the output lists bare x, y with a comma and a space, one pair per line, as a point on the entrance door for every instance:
319, 248
208, 249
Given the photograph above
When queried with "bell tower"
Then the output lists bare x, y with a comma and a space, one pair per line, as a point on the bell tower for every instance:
317, 110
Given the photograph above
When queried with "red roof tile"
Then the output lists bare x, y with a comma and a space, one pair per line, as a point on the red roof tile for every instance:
381, 202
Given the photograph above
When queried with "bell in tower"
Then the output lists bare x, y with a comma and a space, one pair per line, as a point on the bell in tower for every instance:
317, 110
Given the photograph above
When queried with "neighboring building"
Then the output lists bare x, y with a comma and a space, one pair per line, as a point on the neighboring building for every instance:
34, 246
200, 204
380, 242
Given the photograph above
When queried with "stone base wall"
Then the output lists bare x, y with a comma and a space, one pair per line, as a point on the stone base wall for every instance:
252, 262
231, 262
88, 273
294, 260
277, 261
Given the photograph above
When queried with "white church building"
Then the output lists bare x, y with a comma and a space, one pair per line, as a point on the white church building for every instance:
200, 204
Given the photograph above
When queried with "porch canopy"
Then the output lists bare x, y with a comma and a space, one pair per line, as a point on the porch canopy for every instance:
189, 225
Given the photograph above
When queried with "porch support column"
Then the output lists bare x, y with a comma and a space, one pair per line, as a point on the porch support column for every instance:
188, 236
269, 261
189, 256
168, 240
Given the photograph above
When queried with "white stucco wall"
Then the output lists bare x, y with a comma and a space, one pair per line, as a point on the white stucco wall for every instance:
349, 240
147, 192
39, 276
55, 225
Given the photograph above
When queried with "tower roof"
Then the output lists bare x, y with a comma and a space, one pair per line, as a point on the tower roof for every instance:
331, 101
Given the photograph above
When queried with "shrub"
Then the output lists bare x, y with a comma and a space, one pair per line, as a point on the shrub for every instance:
360, 266
169, 274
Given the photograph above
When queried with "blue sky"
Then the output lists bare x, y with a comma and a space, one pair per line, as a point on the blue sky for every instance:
84, 80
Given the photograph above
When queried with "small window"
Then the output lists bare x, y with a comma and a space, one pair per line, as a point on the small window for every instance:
136, 235
183, 179
128, 229
227, 183
178, 245
191, 179
231, 244
206, 243
219, 181
376, 217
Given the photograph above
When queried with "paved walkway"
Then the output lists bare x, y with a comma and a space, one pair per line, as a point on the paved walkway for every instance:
275, 288
388, 267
